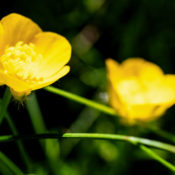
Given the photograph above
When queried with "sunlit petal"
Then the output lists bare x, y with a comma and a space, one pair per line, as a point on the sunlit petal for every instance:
18, 28
55, 49
49, 80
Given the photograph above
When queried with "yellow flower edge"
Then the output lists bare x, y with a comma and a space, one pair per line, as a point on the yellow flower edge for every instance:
30, 58
139, 90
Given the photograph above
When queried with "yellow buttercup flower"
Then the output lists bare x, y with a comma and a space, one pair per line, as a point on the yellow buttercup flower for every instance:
30, 58
139, 90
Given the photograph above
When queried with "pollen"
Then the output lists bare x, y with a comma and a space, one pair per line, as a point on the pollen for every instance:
23, 61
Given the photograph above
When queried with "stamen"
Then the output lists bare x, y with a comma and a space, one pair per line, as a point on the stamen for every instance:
23, 61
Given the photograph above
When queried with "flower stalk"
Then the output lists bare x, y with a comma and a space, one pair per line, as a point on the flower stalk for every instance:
10, 164
82, 100
133, 140
97, 136
21, 147
158, 158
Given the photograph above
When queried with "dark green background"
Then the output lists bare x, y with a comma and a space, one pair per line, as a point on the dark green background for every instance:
113, 28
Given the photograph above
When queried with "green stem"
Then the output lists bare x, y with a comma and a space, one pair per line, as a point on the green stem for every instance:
10, 164
158, 158
50, 147
130, 139
82, 100
19, 142
35, 114
4, 103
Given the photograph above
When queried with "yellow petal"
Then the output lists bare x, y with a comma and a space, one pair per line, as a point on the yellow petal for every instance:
21, 89
116, 102
114, 72
18, 28
1, 49
131, 91
142, 112
60, 73
141, 68
55, 49
162, 92
112, 66
170, 81
13, 82
1, 31
1, 39
113, 69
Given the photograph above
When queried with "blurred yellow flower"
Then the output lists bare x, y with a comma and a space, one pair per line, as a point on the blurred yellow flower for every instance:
139, 90
30, 58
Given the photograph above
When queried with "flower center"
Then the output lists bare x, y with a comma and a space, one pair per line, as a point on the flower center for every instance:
22, 61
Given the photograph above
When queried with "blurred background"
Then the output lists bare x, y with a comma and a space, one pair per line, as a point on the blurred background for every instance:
96, 29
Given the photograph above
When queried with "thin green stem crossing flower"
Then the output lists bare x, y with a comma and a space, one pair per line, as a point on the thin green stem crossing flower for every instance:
97, 136
133, 140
